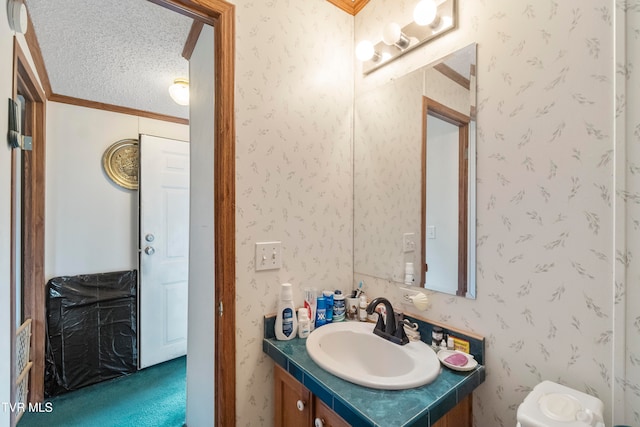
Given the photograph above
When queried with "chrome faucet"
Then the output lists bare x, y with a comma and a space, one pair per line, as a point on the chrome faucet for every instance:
388, 328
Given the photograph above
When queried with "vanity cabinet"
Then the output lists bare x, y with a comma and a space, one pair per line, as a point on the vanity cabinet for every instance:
459, 416
295, 406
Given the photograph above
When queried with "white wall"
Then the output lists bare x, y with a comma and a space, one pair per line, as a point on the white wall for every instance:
202, 310
546, 298
91, 223
441, 251
6, 53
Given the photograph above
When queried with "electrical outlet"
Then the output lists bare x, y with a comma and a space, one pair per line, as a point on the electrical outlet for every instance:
409, 242
268, 256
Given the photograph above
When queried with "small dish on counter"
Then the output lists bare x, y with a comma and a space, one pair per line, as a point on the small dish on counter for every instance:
457, 360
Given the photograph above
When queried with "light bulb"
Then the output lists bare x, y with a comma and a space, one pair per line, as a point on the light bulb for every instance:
179, 91
391, 33
393, 36
365, 50
425, 12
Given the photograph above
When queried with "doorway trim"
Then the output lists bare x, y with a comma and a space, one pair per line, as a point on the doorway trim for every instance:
33, 200
221, 15
433, 108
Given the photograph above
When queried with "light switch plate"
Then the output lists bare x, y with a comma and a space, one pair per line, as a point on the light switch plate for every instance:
431, 232
268, 256
409, 242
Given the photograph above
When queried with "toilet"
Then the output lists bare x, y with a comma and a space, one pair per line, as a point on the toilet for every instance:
553, 405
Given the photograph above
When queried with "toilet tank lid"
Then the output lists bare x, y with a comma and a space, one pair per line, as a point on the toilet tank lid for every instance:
550, 404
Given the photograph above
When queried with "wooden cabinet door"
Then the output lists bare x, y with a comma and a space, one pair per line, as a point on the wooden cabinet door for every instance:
293, 402
326, 415
295, 406
459, 416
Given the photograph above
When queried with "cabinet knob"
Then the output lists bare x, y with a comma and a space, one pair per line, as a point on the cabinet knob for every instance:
319, 422
300, 405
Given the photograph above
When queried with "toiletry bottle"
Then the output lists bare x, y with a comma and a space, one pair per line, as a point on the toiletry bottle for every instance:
362, 312
304, 324
286, 320
339, 309
310, 296
328, 303
321, 312
443, 343
436, 337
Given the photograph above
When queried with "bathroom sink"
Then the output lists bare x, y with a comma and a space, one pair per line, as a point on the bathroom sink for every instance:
350, 350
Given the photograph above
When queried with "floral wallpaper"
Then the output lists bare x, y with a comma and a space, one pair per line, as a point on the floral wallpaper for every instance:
546, 301
294, 102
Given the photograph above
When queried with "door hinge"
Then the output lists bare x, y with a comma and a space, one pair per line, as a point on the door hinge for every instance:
220, 308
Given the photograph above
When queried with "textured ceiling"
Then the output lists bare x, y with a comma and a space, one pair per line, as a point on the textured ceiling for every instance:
125, 53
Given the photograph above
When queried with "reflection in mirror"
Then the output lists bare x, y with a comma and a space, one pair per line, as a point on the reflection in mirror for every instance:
448, 198
390, 204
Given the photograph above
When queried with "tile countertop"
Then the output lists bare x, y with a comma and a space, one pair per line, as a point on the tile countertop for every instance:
363, 406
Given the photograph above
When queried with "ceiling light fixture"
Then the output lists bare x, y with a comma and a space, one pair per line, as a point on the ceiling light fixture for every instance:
17, 16
179, 91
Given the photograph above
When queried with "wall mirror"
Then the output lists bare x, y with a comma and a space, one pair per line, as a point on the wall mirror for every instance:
414, 176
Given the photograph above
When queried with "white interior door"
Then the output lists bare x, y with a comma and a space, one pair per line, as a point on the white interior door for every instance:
164, 249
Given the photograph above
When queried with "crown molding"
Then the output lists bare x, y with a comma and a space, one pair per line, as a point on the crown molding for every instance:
352, 7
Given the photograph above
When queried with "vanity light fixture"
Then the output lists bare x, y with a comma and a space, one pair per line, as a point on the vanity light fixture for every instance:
179, 91
392, 35
431, 19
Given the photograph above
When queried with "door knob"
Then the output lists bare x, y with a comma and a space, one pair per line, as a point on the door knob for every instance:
318, 422
149, 250
149, 237
300, 405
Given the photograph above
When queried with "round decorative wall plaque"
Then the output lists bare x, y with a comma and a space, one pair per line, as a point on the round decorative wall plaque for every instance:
120, 162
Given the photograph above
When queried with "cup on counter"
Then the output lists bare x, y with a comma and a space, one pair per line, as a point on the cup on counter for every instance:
352, 308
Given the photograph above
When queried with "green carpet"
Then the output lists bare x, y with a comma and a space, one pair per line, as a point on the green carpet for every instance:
152, 397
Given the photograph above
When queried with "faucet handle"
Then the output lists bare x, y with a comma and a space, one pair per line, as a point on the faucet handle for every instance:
401, 335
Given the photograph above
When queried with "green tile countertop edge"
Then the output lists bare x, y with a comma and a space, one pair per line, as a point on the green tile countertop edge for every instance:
363, 406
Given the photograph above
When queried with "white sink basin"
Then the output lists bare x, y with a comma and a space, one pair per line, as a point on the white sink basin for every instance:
351, 351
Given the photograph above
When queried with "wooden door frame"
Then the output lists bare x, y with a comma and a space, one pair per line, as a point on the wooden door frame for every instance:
33, 200
221, 15
441, 111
